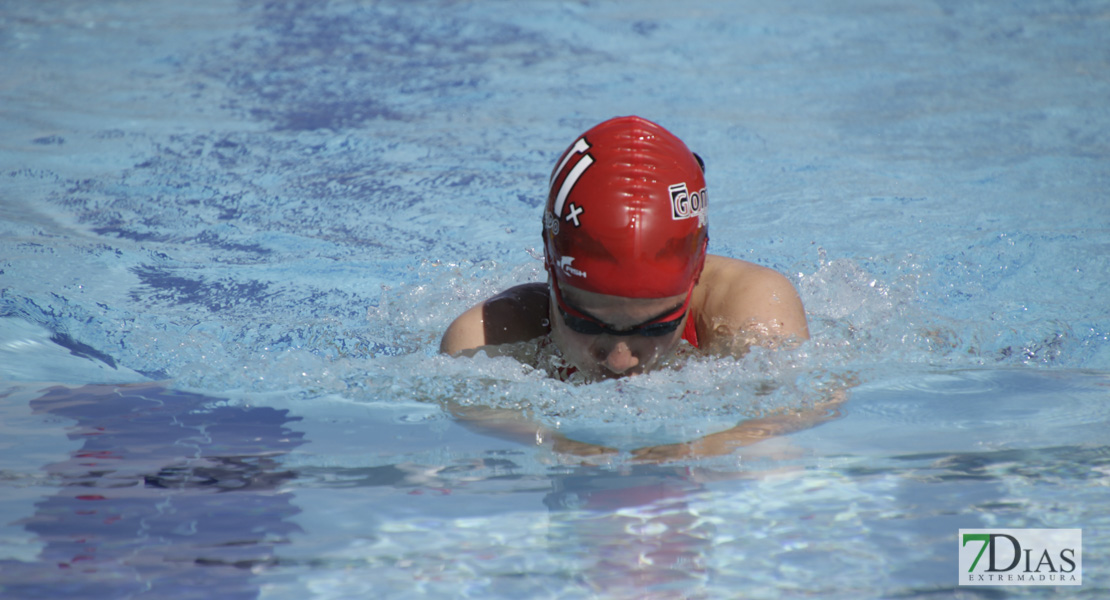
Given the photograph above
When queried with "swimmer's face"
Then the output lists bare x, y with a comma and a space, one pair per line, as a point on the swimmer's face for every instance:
627, 336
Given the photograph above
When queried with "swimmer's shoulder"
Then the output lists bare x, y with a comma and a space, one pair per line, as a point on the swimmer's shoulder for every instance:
736, 296
729, 277
517, 314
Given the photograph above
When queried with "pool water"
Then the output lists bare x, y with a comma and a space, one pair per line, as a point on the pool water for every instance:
231, 235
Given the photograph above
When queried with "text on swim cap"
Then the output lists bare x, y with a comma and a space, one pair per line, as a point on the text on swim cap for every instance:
686, 205
564, 265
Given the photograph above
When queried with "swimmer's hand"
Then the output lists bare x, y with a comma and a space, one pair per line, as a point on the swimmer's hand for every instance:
745, 434
564, 445
716, 444
512, 424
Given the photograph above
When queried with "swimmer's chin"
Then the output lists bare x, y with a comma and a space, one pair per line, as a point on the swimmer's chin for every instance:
603, 374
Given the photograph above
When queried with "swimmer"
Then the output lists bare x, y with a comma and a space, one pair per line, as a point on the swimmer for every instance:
625, 235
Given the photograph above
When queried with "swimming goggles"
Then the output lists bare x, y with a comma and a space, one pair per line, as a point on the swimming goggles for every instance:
580, 321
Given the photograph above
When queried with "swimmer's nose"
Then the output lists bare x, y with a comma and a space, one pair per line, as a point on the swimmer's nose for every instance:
618, 358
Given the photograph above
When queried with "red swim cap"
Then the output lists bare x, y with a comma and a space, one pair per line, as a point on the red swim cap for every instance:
626, 214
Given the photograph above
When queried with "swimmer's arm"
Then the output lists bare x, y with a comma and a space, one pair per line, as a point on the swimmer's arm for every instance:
518, 314
749, 305
515, 426
748, 432
465, 334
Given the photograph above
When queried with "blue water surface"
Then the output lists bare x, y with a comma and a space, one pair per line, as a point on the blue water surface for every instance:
231, 234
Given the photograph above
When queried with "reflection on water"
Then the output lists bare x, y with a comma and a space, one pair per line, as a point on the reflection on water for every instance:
171, 495
636, 532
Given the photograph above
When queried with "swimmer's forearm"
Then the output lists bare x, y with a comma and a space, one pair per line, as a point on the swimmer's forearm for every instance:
514, 426
749, 432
